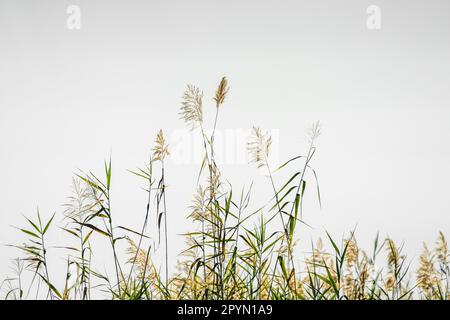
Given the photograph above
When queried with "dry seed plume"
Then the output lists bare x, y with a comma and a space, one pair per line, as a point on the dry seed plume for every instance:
140, 257
200, 205
192, 107
315, 131
82, 202
427, 276
442, 249
393, 254
351, 255
259, 147
221, 92
161, 149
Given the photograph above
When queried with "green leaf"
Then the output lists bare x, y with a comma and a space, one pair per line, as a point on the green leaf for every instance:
317, 186
52, 287
34, 225
160, 219
119, 238
132, 231
39, 217
48, 224
87, 236
143, 175
286, 163
29, 233
333, 243
68, 248
283, 267
202, 167
96, 229
71, 232
91, 183
108, 174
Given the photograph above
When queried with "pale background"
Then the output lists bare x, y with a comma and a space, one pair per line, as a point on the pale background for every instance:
70, 97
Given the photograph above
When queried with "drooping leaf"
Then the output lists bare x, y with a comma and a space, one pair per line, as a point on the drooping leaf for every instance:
88, 225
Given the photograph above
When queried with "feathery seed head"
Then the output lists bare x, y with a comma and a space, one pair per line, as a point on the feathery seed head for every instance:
315, 131
214, 183
390, 282
349, 286
351, 254
199, 207
221, 92
427, 276
160, 150
442, 249
82, 202
393, 255
140, 258
192, 106
259, 147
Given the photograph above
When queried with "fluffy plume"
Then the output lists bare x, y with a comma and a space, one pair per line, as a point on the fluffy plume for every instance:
82, 202
192, 106
427, 276
351, 255
390, 282
259, 147
200, 205
161, 150
441, 249
143, 264
315, 131
394, 258
221, 92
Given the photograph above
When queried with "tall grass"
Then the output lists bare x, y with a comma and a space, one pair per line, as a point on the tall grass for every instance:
234, 252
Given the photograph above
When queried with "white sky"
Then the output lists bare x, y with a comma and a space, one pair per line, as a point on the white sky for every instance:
70, 97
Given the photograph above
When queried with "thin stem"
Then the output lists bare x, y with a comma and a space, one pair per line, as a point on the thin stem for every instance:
308, 158
44, 256
165, 224
286, 233
112, 241
144, 226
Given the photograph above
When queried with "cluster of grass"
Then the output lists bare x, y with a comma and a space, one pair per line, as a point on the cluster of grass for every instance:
233, 253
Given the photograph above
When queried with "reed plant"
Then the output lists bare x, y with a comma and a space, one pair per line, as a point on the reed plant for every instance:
240, 248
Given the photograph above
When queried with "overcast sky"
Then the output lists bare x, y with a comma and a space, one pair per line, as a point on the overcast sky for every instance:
69, 98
